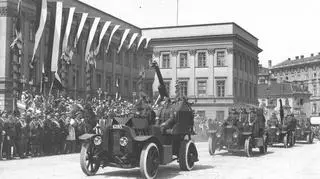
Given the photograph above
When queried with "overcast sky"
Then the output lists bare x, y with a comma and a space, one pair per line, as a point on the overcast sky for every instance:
285, 28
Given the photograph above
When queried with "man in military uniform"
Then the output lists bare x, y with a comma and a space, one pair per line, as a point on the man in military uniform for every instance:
10, 136
232, 118
273, 121
21, 137
2, 136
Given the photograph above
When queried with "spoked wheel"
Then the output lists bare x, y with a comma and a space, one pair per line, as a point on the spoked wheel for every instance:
212, 141
89, 164
149, 161
248, 147
285, 141
187, 155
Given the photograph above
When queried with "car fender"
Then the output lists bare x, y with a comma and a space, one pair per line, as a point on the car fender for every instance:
246, 133
87, 136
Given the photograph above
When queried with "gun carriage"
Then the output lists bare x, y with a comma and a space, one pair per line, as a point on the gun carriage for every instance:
303, 130
145, 137
242, 131
281, 131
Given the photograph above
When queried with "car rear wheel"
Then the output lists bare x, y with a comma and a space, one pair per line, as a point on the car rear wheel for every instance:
89, 164
149, 161
248, 147
187, 155
212, 141
285, 141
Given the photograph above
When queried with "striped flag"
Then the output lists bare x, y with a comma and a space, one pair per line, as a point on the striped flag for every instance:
43, 19
124, 36
103, 31
68, 28
133, 38
147, 42
140, 41
56, 38
115, 28
18, 40
82, 21
91, 36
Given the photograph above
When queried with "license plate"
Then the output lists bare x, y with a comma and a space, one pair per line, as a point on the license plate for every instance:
117, 126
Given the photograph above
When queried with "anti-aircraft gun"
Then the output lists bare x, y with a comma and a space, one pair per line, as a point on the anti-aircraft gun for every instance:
133, 141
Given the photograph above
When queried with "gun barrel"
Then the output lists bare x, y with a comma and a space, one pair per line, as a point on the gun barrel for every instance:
162, 88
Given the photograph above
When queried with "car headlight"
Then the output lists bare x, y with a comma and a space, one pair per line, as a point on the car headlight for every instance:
123, 141
218, 134
97, 140
278, 133
235, 135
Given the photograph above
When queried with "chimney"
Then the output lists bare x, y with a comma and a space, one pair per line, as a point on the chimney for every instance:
312, 55
289, 59
297, 57
301, 56
269, 64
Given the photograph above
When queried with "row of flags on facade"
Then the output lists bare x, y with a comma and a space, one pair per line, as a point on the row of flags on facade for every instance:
66, 50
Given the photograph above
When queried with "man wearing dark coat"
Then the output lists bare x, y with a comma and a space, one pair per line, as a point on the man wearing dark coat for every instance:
10, 136
21, 137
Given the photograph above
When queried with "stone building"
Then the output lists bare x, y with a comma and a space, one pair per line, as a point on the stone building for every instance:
111, 66
215, 64
304, 71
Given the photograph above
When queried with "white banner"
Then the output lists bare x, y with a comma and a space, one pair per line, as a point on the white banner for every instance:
56, 37
110, 38
68, 28
103, 31
91, 35
82, 21
124, 36
42, 23
133, 38
140, 41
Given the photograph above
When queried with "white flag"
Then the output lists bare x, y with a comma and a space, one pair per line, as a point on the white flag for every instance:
147, 42
82, 21
124, 36
56, 37
110, 38
43, 19
91, 35
133, 38
68, 28
103, 31
140, 41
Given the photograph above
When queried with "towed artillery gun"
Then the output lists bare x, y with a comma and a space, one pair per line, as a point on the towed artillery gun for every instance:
242, 131
146, 138
303, 130
282, 132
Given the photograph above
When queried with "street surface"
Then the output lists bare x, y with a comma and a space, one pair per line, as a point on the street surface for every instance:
300, 162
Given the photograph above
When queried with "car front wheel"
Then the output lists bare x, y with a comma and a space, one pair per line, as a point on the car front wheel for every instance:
149, 161
188, 155
89, 163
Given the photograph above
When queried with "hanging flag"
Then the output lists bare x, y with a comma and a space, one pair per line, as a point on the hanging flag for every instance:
103, 31
115, 28
82, 21
18, 40
140, 41
57, 81
68, 28
56, 38
91, 36
124, 36
133, 38
43, 19
147, 42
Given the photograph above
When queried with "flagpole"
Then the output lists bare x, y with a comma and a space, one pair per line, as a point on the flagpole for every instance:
177, 12
51, 86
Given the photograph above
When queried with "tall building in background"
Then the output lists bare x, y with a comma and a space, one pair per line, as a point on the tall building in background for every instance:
215, 64
304, 71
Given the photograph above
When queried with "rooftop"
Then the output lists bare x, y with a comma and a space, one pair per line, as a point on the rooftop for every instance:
276, 89
298, 61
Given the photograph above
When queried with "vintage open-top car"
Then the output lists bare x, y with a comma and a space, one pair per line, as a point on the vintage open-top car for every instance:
144, 138
303, 130
241, 131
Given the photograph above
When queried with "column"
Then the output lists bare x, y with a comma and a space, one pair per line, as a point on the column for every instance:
173, 63
229, 61
210, 82
192, 75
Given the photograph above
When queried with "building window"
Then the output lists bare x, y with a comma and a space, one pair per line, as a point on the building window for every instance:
126, 86
220, 88
98, 80
201, 113
32, 31
135, 61
235, 89
202, 87
241, 89
314, 108
167, 85
108, 84
165, 61
221, 58
184, 88
183, 60
220, 115
314, 90
202, 59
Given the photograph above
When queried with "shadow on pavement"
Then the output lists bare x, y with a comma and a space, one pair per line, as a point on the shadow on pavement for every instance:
164, 171
243, 154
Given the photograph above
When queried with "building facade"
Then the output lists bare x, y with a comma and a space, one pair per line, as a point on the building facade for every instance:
124, 66
304, 71
215, 64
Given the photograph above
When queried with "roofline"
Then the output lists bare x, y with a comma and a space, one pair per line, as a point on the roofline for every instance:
197, 25
107, 14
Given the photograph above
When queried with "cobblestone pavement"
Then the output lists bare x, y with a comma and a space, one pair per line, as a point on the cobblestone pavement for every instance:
300, 162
